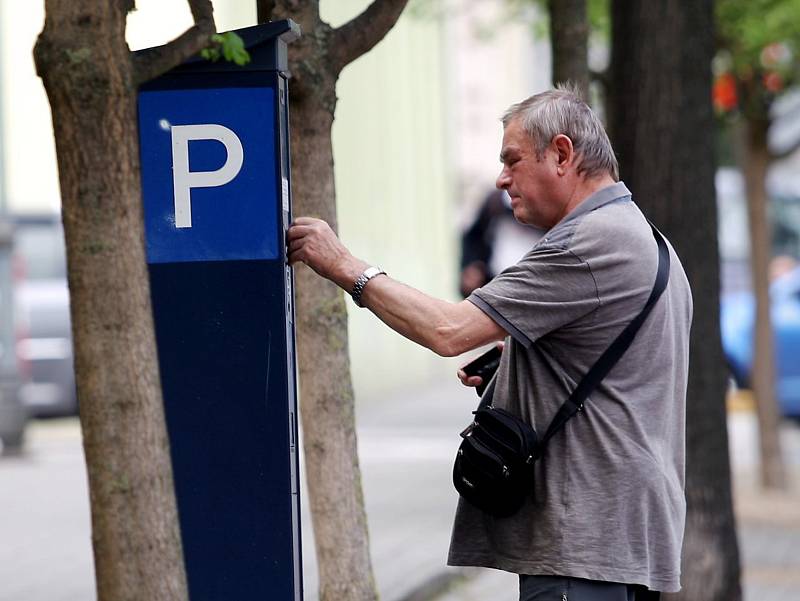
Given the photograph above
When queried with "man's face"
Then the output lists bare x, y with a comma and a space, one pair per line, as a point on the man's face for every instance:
530, 180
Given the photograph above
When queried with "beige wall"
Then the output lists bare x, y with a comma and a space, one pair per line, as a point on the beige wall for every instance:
393, 186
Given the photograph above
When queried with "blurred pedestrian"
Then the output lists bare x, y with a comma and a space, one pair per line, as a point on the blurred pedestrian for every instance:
493, 241
604, 519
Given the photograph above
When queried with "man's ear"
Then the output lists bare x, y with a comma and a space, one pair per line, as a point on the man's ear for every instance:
565, 153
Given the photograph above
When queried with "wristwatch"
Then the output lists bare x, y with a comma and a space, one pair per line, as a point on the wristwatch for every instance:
361, 282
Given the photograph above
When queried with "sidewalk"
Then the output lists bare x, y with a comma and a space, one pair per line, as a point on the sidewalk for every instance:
768, 522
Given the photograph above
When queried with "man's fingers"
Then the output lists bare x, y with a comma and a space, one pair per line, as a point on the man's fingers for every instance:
298, 231
469, 380
295, 245
306, 221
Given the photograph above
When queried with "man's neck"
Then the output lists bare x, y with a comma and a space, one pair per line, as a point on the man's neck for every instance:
584, 188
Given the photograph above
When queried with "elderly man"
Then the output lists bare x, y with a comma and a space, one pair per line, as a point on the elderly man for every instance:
605, 519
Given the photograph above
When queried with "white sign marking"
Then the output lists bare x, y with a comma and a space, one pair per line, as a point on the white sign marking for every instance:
184, 180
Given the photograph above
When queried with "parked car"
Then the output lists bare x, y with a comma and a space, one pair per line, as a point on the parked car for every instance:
43, 299
737, 322
13, 416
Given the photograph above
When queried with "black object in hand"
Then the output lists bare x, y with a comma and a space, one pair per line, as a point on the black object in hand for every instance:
484, 366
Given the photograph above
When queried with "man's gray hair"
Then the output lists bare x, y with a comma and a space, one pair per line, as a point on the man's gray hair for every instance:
563, 111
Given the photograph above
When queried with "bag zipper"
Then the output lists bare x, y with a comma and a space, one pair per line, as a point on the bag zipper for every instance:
526, 444
486, 450
483, 431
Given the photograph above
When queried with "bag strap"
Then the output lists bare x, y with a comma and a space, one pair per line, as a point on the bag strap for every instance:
614, 352
609, 358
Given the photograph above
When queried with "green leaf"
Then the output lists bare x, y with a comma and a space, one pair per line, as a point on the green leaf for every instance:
229, 46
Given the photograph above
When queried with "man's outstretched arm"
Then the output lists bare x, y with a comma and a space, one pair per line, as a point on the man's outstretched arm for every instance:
446, 328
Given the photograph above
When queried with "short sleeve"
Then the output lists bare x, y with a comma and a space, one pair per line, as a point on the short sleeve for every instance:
548, 288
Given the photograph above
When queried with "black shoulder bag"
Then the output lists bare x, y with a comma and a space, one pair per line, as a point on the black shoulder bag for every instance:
494, 465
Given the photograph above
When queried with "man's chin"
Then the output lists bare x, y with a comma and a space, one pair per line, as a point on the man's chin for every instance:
520, 216
524, 219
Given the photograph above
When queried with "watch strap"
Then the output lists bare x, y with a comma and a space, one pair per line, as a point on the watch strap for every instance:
361, 282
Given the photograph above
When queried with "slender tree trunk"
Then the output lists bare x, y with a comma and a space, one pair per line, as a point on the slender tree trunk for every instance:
327, 410
754, 167
662, 129
326, 391
86, 67
569, 42
327, 407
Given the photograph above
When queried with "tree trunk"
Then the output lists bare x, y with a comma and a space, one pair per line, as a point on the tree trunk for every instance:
569, 42
327, 405
86, 67
755, 162
662, 128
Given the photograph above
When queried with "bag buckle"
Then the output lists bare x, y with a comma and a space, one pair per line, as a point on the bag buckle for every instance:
468, 430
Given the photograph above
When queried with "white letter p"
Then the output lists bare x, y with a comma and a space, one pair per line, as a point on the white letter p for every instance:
184, 180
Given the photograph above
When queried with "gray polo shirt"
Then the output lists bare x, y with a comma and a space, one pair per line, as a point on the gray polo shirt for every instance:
608, 500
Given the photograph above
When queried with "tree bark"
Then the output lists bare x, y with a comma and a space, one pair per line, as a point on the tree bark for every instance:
755, 163
86, 68
569, 42
333, 474
662, 128
327, 401
264, 10
88, 73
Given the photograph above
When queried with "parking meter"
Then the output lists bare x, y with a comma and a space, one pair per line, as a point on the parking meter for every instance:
214, 146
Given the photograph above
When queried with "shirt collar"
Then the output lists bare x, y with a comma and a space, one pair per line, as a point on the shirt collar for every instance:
597, 200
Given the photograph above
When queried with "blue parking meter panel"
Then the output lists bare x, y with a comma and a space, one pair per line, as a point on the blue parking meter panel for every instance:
210, 160
216, 189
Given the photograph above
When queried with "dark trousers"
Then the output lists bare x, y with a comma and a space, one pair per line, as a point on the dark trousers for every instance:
559, 588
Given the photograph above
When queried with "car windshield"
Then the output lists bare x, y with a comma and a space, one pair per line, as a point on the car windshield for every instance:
41, 247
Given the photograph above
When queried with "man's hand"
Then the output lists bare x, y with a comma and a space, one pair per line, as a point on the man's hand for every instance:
474, 381
313, 242
466, 380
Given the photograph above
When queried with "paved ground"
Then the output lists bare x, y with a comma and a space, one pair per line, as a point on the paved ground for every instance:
45, 552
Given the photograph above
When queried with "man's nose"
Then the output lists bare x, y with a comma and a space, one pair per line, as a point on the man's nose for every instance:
503, 180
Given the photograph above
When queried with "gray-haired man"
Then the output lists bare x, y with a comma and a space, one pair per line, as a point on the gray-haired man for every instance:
605, 520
